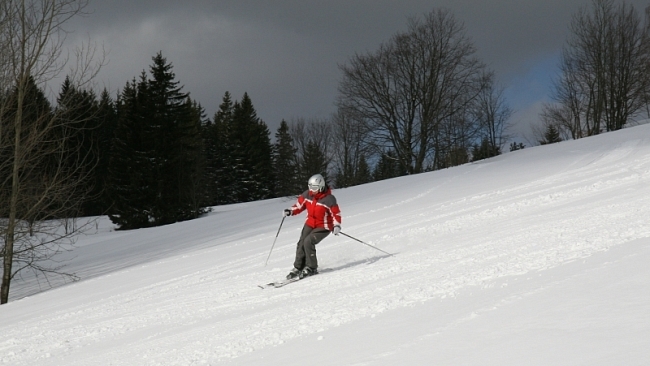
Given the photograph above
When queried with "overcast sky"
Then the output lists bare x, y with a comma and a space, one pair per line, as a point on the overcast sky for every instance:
286, 54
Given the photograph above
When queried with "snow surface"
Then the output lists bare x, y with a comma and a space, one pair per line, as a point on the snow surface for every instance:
536, 257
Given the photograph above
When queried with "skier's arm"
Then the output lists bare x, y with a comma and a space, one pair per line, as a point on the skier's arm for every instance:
298, 207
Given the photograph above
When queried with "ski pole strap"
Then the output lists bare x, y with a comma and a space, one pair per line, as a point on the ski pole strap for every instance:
362, 242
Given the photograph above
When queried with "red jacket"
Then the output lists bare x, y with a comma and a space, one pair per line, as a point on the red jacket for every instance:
322, 209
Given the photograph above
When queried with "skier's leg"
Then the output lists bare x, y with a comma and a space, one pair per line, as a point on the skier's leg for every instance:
299, 262
309, 245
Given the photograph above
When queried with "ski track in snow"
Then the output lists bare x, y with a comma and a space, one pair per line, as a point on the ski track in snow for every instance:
443, 247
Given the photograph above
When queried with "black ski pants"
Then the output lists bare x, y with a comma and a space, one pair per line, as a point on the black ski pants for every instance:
306, 248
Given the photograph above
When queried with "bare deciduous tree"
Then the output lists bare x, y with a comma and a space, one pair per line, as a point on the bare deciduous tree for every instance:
492, 113
43, 174
350, 147
408, 89
604, 79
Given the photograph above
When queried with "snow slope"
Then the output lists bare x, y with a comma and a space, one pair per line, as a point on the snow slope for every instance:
536, 257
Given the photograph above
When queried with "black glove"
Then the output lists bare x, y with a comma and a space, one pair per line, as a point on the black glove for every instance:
287, 212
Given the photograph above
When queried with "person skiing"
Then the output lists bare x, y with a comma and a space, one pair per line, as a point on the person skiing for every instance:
323, 217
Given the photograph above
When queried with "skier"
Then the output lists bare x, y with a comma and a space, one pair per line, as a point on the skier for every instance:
323, 217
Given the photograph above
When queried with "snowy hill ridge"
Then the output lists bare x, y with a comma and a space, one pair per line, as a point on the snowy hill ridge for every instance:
536, 257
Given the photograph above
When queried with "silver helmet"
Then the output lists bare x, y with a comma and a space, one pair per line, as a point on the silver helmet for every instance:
316, 183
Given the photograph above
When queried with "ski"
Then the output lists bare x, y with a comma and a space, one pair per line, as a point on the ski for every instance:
278, 284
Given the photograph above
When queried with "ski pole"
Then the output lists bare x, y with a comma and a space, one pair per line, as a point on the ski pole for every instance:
276, 238
372, 246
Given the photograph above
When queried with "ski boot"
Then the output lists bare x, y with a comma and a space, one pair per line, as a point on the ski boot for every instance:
307, 271
293, 274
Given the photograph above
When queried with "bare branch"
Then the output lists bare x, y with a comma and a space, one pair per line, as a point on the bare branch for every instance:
44, 165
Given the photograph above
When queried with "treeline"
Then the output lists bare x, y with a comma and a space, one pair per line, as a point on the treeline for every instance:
422, 101
152, 156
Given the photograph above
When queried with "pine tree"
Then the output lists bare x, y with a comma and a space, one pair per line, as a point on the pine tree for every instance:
37, 115
177, 145
551, 136
192, 158
387, 167
107, 117
79, 111
252, 153
485, 150
221, 179
166, 105
314, 161
363, 174
346, 175
130, 190
284, 163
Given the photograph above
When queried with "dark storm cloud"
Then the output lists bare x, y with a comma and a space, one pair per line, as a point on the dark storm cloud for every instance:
285, 54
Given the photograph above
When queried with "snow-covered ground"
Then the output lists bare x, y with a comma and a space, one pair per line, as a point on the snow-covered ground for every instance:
536, 257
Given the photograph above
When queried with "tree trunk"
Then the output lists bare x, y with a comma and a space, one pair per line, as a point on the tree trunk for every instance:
13, 203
